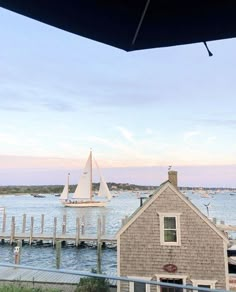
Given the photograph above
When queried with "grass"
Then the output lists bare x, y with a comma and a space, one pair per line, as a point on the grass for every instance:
21, 288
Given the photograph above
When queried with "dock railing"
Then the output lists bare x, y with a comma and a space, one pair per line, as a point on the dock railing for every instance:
131, 284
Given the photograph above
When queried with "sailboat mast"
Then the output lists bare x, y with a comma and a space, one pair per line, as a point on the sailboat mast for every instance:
91, 176
68, 182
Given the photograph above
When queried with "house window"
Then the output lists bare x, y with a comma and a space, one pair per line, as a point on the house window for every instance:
173, 279
204, 283
171, 289
139, 287
169, 229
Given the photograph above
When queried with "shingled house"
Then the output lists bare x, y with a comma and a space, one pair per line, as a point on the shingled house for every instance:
168, 239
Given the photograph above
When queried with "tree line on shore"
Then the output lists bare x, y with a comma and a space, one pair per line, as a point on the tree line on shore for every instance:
57, 189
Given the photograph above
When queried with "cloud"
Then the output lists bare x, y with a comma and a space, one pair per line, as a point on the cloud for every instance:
218, 122
190, 134
28, 98
126, 134
57, 105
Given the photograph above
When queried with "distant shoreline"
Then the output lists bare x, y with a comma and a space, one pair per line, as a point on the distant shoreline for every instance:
116, 187
13, 194
57, 189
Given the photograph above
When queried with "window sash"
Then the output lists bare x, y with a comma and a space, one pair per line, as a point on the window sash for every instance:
169, 222
170, 229
170, 236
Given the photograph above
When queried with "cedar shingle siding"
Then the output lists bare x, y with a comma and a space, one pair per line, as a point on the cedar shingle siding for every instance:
201, 254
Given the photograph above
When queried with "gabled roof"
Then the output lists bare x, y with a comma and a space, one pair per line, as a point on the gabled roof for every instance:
155, 196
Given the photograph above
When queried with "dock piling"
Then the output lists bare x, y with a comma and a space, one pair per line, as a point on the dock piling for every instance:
54, 231
13, 226
58, 254
64, 224
17, 252
103, 225
99, 246
31, 230
82, 225
42, 223
77, 236
23, 223
4, 218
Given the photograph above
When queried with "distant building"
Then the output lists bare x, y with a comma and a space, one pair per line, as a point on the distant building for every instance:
168, 239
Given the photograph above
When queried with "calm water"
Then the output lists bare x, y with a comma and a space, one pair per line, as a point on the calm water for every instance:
222, 206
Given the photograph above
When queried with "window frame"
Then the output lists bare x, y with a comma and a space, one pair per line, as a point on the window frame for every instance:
162, 230
171, 277
131, 284
211, 283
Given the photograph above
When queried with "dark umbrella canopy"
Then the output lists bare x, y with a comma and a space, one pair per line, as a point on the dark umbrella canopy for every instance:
135, 24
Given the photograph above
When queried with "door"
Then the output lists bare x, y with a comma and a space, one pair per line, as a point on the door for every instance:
171, 289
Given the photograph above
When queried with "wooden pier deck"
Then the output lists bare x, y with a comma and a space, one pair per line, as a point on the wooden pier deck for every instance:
56, 233
30, 238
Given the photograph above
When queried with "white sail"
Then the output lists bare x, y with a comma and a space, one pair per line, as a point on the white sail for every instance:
103, 189
65, 192
83, 189
83, 193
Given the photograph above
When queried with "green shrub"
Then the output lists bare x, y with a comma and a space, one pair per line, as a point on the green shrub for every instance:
92, 284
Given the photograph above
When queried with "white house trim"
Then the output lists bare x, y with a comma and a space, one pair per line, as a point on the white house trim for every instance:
226, 265
210, 283
131, 284
162, 230
170, 276
118, 262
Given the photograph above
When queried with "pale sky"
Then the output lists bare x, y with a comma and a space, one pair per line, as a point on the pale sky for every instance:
61, 94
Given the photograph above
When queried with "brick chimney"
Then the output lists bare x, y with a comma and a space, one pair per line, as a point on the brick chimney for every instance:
172, 177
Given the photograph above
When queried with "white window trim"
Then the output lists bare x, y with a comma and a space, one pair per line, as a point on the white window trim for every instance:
211, 283
161, 217
169, 276
131, 284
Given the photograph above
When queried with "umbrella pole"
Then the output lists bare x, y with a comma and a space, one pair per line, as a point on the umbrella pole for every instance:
140, 22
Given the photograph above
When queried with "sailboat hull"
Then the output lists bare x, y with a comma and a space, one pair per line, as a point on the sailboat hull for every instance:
85, 204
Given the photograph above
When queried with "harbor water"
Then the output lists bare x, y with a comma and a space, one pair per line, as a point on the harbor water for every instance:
85, 259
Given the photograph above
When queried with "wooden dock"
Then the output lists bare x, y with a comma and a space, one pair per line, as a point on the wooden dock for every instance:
52, 235
30, 238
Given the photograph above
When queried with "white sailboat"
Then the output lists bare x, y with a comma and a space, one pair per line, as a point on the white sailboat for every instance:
83, 195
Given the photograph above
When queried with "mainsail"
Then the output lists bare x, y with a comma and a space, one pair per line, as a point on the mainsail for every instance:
84, 187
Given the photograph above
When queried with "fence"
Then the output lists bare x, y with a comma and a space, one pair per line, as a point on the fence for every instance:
64, 278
